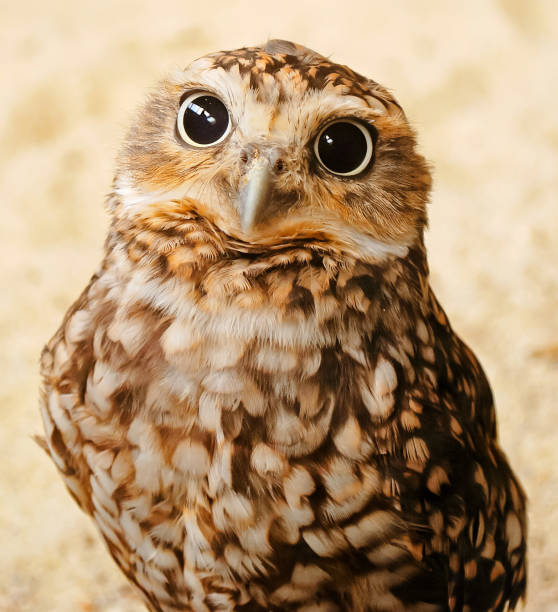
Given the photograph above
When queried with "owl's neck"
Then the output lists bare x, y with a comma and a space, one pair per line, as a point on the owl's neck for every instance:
312, 275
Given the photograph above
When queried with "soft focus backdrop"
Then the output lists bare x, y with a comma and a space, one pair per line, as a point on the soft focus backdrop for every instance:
478, 80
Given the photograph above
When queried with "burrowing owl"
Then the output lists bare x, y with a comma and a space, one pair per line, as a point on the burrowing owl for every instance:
257, 398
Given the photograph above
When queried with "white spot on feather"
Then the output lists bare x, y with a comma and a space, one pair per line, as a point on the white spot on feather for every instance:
191, 458
372, 527
267, 461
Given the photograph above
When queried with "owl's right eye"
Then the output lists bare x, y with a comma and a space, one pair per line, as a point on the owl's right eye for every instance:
203, 120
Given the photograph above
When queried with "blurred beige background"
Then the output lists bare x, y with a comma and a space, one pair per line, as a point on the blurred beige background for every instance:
478, 79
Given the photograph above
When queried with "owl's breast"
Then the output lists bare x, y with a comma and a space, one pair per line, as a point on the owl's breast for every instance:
223, 431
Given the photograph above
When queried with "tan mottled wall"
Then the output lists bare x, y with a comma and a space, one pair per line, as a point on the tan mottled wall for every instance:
479, 81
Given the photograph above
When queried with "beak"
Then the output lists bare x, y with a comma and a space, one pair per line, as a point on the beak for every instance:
255, 191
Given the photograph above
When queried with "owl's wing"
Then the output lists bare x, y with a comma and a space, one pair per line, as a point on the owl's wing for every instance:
66, 362
459, 485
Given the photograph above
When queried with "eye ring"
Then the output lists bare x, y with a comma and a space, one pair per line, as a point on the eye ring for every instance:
347, 151
204, 124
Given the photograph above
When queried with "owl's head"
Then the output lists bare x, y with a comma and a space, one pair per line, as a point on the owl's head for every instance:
273, 145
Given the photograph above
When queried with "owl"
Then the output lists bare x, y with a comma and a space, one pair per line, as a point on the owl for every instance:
257, 398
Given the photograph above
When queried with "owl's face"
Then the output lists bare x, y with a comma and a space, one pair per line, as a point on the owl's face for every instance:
276, 144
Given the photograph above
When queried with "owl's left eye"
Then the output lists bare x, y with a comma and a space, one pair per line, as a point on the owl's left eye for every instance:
344, 147
203, 120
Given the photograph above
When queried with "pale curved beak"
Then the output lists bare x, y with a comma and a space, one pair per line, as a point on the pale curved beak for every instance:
255, 192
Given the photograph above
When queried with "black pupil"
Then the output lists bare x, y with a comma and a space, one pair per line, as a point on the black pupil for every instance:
342, 147
206, 119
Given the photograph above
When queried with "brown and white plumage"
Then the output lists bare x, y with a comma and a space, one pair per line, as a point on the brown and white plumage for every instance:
270, 411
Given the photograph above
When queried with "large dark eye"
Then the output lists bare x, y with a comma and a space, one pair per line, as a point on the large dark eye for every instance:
344, 147
203, 120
